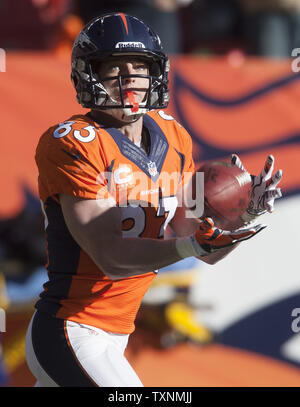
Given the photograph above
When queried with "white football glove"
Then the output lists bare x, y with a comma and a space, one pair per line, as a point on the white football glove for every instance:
264, 189
207, 239
211, 238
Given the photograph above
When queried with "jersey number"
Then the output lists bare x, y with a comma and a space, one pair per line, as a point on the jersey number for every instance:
148, 221
66, 127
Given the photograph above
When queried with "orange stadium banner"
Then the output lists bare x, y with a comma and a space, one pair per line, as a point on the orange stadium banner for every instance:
251, 109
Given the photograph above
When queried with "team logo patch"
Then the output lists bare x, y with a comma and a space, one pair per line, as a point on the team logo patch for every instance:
152, 168
83, 41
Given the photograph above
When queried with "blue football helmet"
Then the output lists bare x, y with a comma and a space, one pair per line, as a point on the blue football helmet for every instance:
115, 35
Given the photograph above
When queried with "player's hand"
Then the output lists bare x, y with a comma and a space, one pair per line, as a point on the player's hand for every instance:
210, 238
264, 188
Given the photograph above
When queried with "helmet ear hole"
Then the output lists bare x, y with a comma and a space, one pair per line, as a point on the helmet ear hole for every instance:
95, 66
155, 69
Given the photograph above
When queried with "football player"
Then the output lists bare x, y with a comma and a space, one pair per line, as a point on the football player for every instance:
110, 182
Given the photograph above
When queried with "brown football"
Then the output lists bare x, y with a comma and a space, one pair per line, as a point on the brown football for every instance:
227, 191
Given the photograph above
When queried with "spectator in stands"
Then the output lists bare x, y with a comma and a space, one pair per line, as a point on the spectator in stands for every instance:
271, 27
161, 15
36, 24
210, 26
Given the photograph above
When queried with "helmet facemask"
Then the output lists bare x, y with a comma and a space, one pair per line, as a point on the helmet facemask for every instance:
92, 93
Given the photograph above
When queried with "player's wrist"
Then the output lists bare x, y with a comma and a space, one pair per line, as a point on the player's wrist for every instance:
189, 247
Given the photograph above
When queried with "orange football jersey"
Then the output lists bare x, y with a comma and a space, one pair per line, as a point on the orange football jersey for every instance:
85, 159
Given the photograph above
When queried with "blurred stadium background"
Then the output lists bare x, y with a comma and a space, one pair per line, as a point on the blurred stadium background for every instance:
236, 88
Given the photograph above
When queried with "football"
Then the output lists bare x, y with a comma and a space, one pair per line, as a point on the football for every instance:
227, 191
